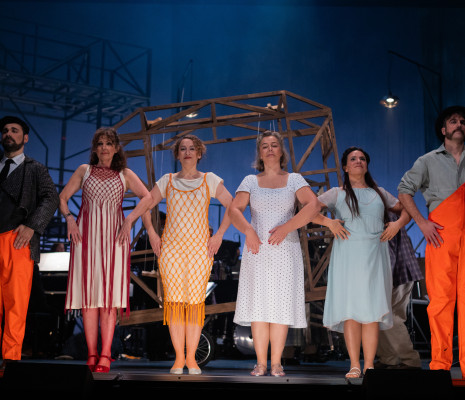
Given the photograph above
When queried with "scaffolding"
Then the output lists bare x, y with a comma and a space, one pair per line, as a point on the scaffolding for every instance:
307, 127
72, 78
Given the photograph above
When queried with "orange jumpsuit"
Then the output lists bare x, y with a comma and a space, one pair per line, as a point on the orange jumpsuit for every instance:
28, 196
445, 281
441, 179
16, 268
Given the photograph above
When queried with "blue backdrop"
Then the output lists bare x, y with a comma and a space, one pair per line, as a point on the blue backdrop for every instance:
336, 55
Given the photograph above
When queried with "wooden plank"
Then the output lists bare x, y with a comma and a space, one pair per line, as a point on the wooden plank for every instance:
145, 288
305, 100
249, 107
316, 294
318, 171
309, 115
309, 150
156, 314
171, 124
138, 317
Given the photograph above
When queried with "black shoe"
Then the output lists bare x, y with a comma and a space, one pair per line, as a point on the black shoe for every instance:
5, 363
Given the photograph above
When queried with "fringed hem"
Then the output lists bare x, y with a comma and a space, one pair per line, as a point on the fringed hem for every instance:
182, 313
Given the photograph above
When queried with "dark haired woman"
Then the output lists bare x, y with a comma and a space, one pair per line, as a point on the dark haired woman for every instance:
271, 294
358, 297
98, 278
186, 249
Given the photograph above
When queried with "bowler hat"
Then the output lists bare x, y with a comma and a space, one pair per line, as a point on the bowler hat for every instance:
14, 120
443, 115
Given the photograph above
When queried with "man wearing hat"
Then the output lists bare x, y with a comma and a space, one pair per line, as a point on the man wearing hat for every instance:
440, 176
28, 200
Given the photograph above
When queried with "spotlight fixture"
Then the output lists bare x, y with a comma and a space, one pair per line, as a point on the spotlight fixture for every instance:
389, 101
192, 115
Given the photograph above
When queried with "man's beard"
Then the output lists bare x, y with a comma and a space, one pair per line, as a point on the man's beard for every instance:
449, 135
11, 146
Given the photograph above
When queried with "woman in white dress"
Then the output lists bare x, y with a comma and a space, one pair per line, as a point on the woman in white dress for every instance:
271, 295
98, 278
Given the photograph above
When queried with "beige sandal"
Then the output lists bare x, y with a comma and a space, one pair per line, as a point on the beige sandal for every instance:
259, 370
277, 370
354, 373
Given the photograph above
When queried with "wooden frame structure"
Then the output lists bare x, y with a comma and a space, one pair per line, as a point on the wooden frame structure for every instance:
307, 127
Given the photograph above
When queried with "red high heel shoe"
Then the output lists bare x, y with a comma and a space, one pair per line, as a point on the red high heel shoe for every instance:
92, 366
103, 368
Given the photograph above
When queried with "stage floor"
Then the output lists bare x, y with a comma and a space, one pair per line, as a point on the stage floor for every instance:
128, 378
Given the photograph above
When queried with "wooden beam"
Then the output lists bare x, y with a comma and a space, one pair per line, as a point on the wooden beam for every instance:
295, 116
156, 314
145, 288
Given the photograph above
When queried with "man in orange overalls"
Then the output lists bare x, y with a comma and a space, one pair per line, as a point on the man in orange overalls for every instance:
440, 176
28, 200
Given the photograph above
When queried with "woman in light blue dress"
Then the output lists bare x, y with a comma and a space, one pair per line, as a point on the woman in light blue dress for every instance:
358, 297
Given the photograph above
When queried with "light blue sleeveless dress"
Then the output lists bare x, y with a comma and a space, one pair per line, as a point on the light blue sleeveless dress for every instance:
359, 273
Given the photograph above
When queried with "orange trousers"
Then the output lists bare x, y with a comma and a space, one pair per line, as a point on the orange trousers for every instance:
445, 281
16, 268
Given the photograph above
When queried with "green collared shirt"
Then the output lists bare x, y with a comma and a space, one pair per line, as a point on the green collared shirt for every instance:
436, 174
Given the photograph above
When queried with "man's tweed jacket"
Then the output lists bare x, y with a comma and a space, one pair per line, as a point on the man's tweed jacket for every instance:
33, 191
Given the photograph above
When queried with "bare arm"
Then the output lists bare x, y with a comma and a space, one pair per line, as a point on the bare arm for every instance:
146, 202
154, 238
236, 213
311, 208
336, 226
393, 227
427, 227
225, 198
73, 185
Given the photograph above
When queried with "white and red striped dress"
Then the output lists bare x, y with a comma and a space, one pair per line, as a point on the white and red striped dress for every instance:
99, 267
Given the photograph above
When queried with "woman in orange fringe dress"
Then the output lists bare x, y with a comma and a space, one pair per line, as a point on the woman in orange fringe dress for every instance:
186, 248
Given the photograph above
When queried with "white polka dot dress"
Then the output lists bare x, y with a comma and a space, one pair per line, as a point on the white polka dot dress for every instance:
271, 283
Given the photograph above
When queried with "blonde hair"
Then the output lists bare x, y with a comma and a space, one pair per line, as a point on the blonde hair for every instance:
258, 163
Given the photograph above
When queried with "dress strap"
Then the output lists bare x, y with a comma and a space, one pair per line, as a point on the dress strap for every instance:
207, 188
87, 173
123, 180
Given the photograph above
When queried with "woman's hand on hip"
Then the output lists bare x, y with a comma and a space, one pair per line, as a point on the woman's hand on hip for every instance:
74, 235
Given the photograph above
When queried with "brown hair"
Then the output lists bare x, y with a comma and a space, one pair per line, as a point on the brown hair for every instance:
198, 144
351, 199
258, 163
119, 159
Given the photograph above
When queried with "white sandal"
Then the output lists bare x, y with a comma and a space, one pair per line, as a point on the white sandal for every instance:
354, 373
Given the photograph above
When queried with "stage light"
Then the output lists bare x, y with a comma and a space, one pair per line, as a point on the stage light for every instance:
192, 115
389, 101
